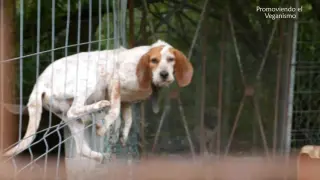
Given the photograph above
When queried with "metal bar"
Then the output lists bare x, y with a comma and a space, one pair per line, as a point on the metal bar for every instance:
89, 45
115, 25
185, 125
235, 124
131, 23
53, 12
203, 147
163, 116
276, 107
78, 49
264, 59
21, 65
235, 44
195, 36
261, 128
291, 85
100, 25
58, 48
271, 37
66, 43
108, 24
220, 85
37, 75
93, 133
123, 7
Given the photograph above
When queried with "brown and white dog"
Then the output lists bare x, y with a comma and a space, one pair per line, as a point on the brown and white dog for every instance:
83, 83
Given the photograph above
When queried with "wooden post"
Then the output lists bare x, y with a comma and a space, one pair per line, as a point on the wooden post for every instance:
8, 126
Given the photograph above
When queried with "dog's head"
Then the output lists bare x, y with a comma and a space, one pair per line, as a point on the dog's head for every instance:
163, 64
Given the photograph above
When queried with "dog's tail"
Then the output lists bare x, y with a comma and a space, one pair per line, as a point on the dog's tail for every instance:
34, 109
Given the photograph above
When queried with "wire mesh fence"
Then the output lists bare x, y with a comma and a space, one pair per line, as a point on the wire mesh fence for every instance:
305, 122
48, 32
254, 88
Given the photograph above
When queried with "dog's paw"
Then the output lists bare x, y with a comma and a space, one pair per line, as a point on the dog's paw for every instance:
101, 131
99, 124
108, 157
102, 104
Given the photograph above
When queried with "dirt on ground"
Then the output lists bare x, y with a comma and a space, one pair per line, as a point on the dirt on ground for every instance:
160, 168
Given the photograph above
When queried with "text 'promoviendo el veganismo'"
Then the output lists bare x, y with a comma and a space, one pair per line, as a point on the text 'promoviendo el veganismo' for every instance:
280, 12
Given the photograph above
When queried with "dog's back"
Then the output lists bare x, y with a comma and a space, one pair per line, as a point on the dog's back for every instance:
59, 83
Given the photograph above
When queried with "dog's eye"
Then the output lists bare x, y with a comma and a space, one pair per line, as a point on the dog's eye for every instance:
154, 60
170, 59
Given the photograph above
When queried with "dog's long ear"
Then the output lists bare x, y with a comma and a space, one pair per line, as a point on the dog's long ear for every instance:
183, 69
144, 72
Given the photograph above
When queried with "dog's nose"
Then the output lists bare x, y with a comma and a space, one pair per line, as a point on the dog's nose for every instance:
164, 74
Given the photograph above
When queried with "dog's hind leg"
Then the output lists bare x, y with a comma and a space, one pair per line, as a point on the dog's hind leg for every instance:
77, 131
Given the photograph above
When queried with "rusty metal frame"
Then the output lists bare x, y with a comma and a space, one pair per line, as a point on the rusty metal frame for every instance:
249, 90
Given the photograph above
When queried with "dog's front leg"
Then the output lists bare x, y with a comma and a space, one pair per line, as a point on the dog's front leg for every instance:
114, 111
82, 147
78, 108
127, 118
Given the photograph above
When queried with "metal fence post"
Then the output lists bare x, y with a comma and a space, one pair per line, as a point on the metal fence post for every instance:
287, 138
